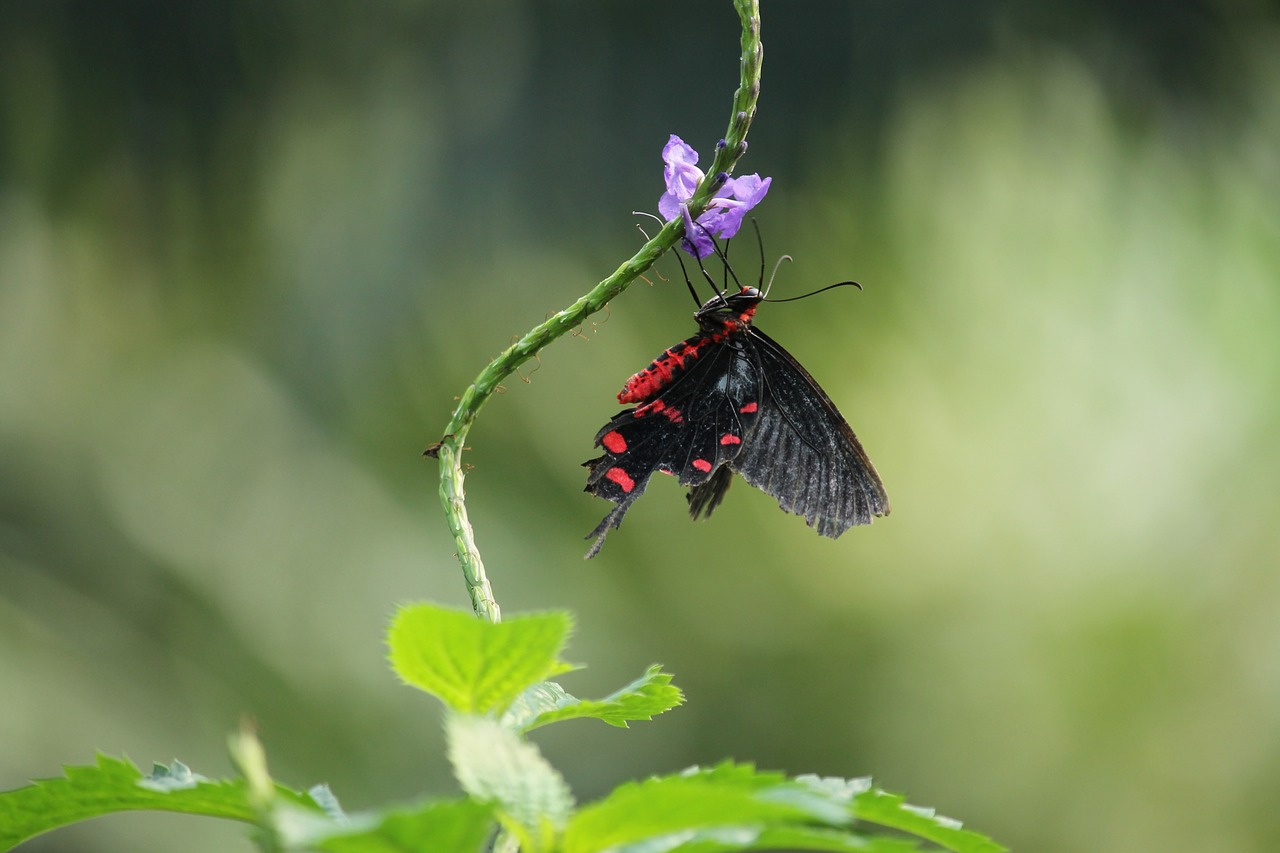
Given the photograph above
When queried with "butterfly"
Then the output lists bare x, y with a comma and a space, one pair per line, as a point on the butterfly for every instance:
730, 400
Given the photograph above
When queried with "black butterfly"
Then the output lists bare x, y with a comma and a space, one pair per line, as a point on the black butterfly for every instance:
730, 399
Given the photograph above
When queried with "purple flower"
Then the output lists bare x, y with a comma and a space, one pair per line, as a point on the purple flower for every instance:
681, 174
724, 214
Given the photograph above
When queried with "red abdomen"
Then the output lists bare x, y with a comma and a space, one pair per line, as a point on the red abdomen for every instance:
664, 370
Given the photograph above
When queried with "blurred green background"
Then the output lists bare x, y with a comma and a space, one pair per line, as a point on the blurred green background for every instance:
250, 252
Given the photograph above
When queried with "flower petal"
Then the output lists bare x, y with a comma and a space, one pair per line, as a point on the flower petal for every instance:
725, 213
681, 174
678, 151
697, 237
751, 189
669, 206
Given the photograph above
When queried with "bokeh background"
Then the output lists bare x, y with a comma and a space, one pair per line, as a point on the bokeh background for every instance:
250, 252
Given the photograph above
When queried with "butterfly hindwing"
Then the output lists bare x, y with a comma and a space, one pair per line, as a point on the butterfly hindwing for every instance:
720, 416
634, 449
690, 429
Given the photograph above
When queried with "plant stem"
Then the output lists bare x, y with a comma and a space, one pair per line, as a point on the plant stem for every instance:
452, 493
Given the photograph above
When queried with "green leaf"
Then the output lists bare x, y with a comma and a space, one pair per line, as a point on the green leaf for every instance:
458, 825
473, 665
873, 805
892, 810
116, 785
736, 807
818, 838
539, 699
495, 764
727, 797
643, 699
771, 838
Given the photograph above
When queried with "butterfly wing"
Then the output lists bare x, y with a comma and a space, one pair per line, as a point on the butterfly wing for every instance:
691, 429
801, 451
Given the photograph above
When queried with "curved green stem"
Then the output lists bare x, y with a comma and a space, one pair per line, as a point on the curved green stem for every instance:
452, 494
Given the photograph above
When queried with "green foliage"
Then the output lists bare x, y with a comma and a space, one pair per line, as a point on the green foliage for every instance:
471, 666
494, 764
642, 699
492, 678
736, 807
116, 785
446, 826
299, 820
782, 838
728, 807
729, 796
892, 810
478, 667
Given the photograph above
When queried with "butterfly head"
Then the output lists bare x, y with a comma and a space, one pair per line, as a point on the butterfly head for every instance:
732, 309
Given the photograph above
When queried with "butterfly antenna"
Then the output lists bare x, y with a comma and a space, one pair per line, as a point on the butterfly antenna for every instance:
728, 268
724, 278
773, 275
760, 247
812, 292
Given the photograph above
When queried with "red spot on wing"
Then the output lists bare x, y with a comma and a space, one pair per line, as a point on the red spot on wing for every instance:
748, 408
622, 478
650, 408
702, 465
657, 407
614, 442
730, 438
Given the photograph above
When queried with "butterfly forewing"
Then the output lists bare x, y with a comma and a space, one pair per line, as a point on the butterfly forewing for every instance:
802, 451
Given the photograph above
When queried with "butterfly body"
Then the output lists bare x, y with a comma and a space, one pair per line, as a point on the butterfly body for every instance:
731, 400
718, 319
